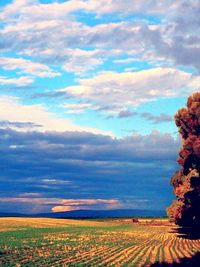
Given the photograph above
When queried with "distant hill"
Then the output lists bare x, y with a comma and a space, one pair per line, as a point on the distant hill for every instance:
11, 214
92, 214
104, 213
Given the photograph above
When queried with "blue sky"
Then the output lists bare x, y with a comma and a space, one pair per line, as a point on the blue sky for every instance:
88, 94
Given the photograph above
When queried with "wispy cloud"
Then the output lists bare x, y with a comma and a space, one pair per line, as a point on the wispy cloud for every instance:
27, 66
76, 204
129, 89
21, 81
76, 108
11, 124
61, 204
157, 119
38, 115
146, 115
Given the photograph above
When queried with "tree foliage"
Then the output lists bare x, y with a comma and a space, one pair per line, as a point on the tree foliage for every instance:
185, 211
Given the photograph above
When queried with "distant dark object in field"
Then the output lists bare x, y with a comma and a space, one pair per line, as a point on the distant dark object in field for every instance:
135, 220
185, 211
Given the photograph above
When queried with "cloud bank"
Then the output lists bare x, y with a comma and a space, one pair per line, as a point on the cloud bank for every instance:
103, 172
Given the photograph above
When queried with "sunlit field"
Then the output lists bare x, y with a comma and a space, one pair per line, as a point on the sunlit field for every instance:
59, 242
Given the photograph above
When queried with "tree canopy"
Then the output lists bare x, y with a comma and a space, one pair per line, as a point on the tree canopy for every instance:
185, 211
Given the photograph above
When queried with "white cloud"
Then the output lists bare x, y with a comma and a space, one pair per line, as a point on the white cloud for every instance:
81, 60
12, 110
127, 6
26, 27
124, 61
21, 81
74, 60
63, 208
62, 9
33, 8
76, 108
62, 204
75, 204
113, 91
13, 8
68, 43
79, 65
27, 66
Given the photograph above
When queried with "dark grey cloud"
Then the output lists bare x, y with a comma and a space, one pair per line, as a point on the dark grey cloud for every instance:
146, 115
178, 40
84, 165
157, 118
7, 124
54, 94
126, 113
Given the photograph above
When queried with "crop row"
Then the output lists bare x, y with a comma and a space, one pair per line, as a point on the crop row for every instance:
133, 245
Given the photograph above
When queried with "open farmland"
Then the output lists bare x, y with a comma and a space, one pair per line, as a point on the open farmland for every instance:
59, 242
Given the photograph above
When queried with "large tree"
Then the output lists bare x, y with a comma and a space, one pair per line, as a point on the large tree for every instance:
185, 211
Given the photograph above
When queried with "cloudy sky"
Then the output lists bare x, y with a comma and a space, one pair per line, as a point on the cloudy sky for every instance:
88, 93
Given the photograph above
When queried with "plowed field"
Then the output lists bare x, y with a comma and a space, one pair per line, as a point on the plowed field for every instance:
59, 242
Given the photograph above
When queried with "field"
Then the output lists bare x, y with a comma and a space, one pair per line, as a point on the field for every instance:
59, 242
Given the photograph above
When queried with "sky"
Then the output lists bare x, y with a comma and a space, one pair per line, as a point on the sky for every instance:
88, 92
